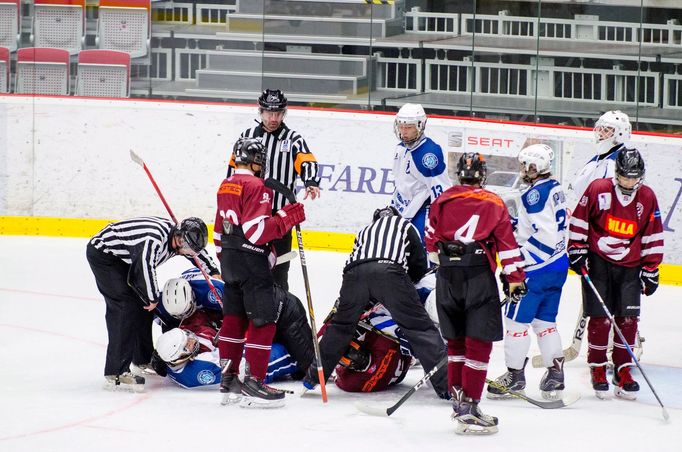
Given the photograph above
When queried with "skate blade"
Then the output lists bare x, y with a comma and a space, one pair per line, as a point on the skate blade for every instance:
625, 395
231, 399
255, 402
469, 429
602, 395
142, 372
136, 389
505, 396
552, 395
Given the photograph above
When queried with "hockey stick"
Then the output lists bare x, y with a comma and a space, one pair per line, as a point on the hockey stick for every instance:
137, 159
545, 404
622, 338
573, 350
385, 412
291, 197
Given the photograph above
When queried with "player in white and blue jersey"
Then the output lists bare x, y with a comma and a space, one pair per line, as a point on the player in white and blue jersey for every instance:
541, 235
419, 167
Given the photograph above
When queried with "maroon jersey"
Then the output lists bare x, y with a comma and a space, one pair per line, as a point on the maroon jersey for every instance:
387, 366
624, 230
245, 201
469, 214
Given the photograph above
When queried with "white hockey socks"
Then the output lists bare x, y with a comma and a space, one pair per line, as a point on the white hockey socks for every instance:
549, 341
516, 344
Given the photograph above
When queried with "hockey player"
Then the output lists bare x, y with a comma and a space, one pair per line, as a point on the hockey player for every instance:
244, 230
123, 257
611, 131
617, 234
541, 234
182, 297
418, 167
387, 259
288, 156
468, 226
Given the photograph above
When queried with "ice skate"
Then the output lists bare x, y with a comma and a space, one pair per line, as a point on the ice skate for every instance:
230, 386
256, 394
468, 416
124, 382
513, 379
599, 383
552, 383
142, 370
624, 386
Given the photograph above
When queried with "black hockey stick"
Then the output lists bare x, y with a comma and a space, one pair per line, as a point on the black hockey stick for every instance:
291, 197
545, 404
377, 411
586, 276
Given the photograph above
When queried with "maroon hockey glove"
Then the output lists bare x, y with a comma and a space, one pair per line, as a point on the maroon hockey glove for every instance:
649, 279
292, 214
577, 258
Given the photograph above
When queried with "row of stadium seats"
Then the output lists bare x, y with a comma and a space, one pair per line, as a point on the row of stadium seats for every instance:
41, 70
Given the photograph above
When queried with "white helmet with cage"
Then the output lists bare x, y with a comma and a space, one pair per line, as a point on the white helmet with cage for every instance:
177, 346
177, 298
536, 161
410, 114
611, 129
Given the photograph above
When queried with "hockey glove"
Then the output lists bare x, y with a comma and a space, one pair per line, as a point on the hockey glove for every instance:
649, 279
517, 291
505, 284
158, 365
577, 258
291, 215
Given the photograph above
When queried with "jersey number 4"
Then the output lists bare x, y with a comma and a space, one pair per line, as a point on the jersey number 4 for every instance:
465, 234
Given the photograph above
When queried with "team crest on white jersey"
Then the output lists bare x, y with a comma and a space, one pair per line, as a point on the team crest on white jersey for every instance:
206, 377
266, 198
430, 160
285, 146
640, 210
604, 200
533, 197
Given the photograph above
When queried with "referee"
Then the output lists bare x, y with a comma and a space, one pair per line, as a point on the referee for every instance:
388, 258
123, 257
287, 156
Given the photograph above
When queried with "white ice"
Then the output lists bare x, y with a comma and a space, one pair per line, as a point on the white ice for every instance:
52, 346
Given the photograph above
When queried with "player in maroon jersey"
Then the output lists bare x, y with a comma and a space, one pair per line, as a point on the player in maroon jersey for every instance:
244, 229
616, 232
469, 226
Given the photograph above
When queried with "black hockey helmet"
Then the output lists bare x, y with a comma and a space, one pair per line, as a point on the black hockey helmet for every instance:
249, 150
194, 232
356, 357
272, 100
388, 211
472, 169
629, 163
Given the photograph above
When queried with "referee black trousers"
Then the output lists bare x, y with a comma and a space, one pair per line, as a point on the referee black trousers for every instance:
129, 326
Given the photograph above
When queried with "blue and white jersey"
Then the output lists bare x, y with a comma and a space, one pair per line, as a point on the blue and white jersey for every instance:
542, 227
420, 175
204, 298
601, 166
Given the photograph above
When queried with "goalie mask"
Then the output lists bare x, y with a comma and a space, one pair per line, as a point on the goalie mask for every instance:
629, 171
611, 129
388, 211
536, 161
472, 169
177, 298
177, 346
410, 115
356, 357
194, 234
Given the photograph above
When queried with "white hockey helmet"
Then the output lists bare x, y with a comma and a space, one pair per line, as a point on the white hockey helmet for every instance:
613, 128
177, 346
535, 160
410, 114
177, 298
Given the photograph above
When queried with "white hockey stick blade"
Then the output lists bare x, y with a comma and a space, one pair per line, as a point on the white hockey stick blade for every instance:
371, 409
570, 354
286, 257
136, 158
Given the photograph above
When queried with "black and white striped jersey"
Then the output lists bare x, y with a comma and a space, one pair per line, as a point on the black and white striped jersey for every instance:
144, 243
392, 239
288, 155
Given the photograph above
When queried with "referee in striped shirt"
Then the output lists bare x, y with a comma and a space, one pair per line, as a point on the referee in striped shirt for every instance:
388, 258
287, 156
123, 257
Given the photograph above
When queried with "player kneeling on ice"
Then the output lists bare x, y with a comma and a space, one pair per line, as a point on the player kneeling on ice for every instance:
617, 235
467, 227
244, 229
541, 235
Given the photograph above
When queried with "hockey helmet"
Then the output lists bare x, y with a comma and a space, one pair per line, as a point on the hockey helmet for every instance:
177, 298
412, 114
536, 161
177, 346
612, 128
272, 100
388, 211
472, 169
194, 232
249, 150
629, 170
356, 357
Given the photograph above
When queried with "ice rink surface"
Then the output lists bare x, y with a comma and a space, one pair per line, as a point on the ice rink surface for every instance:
52, 347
